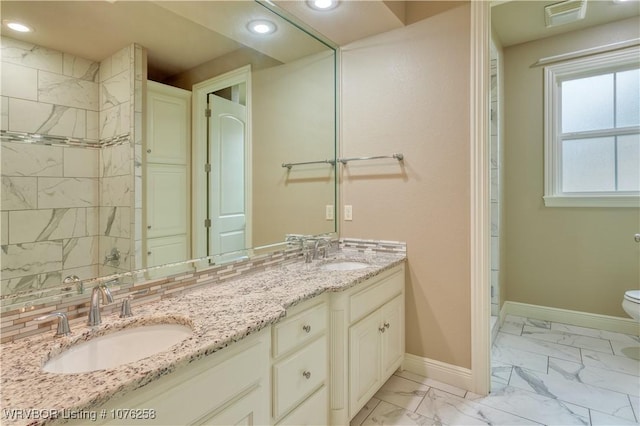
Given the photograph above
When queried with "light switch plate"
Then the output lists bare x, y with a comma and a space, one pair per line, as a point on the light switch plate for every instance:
348, 212
328, 212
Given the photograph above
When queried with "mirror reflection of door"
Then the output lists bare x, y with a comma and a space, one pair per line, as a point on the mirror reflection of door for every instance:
166, 233
227, 184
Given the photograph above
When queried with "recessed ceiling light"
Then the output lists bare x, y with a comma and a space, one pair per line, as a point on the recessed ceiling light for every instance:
322, 4
262, 27
18, 26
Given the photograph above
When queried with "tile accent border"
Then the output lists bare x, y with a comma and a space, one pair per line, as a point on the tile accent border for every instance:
20, 322
41, 139
566, 316
374, 245
437, 370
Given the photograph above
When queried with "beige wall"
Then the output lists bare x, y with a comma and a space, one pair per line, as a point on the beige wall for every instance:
572, 258
408, 91
218, 66
289, 128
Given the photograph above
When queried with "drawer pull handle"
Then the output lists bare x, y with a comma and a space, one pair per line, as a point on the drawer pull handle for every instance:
381, 329
387, 325
306, 328
307, 374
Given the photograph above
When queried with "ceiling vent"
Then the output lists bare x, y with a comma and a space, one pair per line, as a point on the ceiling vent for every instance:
564, 12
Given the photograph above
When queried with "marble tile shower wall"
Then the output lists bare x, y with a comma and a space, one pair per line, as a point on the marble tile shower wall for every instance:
62, 204
120, 114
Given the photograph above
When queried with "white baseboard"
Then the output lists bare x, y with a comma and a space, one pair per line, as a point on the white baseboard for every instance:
565, 316
446, 373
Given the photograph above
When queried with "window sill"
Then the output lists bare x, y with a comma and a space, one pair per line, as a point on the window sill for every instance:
632, 201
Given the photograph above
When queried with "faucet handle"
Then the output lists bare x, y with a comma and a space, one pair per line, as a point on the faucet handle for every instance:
125, 309
63, 323
107, 297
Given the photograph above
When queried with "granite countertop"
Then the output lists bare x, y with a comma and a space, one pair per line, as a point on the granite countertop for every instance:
219, 315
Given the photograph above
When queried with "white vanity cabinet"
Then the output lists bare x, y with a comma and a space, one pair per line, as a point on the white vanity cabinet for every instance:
300, 365
318, 365
367, 344
229, 387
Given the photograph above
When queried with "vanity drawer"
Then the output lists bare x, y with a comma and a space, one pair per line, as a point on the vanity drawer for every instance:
299, 375
314, 411
375, 295
299, 329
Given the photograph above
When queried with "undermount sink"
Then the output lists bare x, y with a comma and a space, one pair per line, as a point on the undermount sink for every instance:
117, 348
344, 266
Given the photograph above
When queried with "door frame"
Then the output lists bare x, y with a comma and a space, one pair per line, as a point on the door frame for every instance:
199, 151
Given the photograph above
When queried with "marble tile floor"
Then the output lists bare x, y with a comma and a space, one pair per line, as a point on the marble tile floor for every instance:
542, 373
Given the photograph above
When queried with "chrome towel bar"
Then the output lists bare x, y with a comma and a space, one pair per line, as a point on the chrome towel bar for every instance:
396, 156
290, 165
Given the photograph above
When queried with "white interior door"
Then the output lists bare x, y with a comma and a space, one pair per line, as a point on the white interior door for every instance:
227, 199
167, 229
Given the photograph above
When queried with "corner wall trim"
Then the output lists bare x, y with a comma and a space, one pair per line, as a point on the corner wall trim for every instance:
479, 217
446, 373
566, 316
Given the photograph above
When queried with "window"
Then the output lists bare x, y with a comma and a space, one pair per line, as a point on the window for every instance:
592, 131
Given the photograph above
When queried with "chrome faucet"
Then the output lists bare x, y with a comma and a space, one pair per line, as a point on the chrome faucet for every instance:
63, 323
323, 245
94, 308
311, 246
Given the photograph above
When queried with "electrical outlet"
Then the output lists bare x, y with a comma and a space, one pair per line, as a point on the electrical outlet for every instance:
328, 212
348, 212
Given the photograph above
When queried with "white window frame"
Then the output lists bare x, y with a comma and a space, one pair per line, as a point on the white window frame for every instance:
553, 77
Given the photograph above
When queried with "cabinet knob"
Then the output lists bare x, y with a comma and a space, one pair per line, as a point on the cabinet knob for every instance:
149, 253
307, 374
148, 226
387, 325
381, 329
306, 328
148, 151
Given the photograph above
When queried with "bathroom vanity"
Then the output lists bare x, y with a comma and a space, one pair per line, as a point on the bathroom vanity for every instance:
296, 344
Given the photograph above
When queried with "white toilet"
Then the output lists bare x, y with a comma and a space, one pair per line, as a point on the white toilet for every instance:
631, 304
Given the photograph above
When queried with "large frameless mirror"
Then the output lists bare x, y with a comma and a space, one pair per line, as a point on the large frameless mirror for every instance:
140, 134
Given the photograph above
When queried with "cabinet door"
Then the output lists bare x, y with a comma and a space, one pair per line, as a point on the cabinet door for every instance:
364, 361
393, 336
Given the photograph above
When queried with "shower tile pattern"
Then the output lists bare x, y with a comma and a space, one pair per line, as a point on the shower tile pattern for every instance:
64, 206
542, 373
